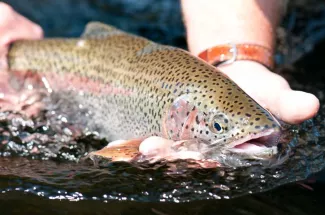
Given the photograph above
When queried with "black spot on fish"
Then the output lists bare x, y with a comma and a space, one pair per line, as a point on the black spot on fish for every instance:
197, 120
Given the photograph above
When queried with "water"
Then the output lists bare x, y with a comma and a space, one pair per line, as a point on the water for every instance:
30, 182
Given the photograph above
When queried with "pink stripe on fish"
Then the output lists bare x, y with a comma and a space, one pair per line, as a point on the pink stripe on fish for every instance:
54, 81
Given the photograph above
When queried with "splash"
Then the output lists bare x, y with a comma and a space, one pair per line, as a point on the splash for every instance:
42, 157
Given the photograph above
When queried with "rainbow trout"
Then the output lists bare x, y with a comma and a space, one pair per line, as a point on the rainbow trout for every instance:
134, 88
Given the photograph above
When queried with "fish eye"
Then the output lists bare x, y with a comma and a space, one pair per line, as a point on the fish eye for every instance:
216, 127
219, 123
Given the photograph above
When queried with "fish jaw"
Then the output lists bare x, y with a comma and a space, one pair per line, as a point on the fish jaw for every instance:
260, 146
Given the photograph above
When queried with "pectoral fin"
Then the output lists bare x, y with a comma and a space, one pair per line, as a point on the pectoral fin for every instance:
153, 149
119, 150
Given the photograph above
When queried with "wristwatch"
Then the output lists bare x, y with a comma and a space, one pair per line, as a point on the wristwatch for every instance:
228, 53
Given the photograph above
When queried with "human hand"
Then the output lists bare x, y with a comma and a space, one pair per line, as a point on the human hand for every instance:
272, 91
13, 27
210, 24
267, 88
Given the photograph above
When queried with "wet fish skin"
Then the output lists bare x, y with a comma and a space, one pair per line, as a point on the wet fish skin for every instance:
138, 88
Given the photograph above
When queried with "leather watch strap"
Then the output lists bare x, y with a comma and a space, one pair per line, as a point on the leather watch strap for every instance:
229, 53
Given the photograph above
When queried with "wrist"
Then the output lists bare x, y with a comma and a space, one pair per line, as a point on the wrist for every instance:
242, 66
215, 22
228, 53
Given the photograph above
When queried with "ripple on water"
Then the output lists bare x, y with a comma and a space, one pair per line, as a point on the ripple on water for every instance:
40, 157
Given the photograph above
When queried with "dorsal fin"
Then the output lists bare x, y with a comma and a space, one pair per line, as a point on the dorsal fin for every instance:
99, 30
152, 47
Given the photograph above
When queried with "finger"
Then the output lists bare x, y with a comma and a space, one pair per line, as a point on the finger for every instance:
25, 29
295, 106
273, 92
154, 146
13, 26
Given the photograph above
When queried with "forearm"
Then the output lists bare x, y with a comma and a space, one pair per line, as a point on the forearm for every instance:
213, 22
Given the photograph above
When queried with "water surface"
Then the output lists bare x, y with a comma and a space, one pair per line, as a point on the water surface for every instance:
31, 183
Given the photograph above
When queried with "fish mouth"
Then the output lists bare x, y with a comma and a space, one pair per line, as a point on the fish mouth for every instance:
263, 145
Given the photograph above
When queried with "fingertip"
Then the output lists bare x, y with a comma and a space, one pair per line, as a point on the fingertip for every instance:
297, 106
154, 144
38, 31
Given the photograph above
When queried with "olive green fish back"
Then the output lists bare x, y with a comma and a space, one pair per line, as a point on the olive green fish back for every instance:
138, 82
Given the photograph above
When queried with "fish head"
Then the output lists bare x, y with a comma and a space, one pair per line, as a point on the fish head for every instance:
225, 119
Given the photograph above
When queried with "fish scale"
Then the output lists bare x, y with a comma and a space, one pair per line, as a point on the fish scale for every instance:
135, 87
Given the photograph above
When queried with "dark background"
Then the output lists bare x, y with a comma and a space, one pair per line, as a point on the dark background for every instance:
301, 53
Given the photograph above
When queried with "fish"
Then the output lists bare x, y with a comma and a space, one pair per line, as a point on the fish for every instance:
132, 88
